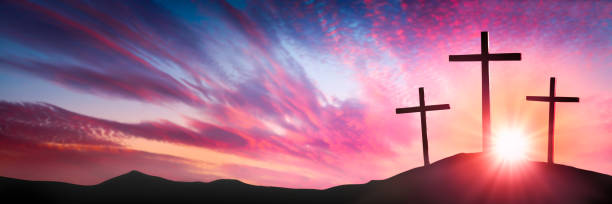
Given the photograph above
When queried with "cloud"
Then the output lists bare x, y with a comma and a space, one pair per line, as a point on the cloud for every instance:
46, 123
47, 132
43, 123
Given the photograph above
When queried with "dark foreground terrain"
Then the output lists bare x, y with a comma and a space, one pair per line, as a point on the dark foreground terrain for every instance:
463, 178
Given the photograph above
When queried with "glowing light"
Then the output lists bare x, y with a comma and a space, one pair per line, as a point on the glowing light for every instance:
511, 145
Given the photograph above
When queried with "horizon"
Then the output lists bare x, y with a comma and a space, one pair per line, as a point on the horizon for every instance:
522, 167
290, 94
493, 161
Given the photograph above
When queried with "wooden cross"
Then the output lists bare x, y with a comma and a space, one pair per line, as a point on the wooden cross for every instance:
485, 57
422, 108
551, 99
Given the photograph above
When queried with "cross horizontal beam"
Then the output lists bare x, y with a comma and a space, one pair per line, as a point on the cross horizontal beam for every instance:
553, 99
422, 108
486, 57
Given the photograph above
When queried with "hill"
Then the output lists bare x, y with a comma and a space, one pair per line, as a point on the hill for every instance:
463, 178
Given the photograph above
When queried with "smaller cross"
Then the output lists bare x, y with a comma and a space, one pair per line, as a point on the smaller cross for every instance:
551, 114
422, 108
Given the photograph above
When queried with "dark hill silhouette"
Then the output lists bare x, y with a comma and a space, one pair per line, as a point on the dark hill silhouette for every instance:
463, 178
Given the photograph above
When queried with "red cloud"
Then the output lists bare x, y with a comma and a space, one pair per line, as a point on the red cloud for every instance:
43, 123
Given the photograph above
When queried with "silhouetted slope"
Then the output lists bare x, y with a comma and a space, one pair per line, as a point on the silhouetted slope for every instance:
463, 178
476, 178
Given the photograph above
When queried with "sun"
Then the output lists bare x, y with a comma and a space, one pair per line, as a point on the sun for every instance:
510, 145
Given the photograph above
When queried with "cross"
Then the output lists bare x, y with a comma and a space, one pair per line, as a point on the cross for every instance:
551, 99
485, 57
422, 108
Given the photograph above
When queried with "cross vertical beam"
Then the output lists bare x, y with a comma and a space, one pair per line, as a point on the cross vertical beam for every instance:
551, 122
552, 99
422, 108
424, 127
484, 57
486, 102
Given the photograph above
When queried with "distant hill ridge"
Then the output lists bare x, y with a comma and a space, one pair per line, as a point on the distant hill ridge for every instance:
463, 178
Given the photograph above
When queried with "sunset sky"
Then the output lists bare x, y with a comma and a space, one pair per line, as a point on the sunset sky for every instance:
297, 94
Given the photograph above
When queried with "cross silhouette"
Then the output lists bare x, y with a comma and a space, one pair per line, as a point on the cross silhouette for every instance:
485, 57
422, 108
551, 99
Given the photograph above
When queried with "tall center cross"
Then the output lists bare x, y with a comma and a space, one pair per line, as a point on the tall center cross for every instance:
422, 108
485, 57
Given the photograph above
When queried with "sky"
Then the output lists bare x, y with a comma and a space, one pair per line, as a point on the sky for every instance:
298, 94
